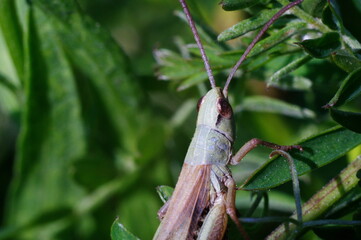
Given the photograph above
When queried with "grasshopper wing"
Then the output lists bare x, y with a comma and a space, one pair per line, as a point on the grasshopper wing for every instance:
190, 197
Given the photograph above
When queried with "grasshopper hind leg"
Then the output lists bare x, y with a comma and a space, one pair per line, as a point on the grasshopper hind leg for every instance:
231, 207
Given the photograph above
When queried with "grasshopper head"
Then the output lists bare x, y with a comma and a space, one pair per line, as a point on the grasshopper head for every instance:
215, 111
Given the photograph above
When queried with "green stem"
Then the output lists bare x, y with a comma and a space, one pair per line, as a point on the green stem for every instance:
322, 200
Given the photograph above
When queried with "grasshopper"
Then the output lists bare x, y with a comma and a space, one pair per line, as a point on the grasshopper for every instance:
205, 192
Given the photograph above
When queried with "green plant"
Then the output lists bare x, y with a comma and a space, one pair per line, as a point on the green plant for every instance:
88, 133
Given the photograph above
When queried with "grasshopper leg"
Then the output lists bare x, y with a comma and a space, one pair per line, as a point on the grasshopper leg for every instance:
230, 205
163, 210
215, 223
253, 143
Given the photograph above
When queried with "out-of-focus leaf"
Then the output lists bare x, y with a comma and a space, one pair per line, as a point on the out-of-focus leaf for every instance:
276, 78
174, 67
349, 120
349, 89
11, 29
207, 36
328, 18
318, 151
247, 25
346, 205
345, 60
293, 83
277, 37
214, 56
266, 104
337, 188
7, 84
44, 152
230, 5
165, 192
119, 232
314, 7
193, 80
322, 47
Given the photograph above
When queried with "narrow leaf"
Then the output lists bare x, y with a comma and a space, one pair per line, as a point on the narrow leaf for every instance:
119, 232
349, 89
247, 25
329, 19
346, 60
277, 37
322, 47
276, 78
319, 150
349, 120
314, 7
231, 5
11, 29
266, 104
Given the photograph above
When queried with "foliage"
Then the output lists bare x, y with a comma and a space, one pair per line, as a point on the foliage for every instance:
87, 133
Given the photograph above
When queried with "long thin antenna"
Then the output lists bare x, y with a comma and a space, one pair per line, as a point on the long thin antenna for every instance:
255, 40
199, 43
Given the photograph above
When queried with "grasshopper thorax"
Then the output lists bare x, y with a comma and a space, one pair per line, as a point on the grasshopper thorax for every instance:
215, 111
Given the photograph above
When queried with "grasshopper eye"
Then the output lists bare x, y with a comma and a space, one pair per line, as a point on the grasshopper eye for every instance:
224, 109
200, 101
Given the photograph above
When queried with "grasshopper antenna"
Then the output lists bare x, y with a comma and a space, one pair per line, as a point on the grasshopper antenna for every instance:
199, 43
255, 40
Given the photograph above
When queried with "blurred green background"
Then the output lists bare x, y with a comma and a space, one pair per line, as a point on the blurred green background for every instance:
87, 132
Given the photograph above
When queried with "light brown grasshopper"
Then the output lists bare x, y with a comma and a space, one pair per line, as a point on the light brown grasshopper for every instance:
205, 191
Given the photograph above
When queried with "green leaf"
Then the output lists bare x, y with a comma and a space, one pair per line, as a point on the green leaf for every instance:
345, 60
119, 232
11, 29
319, 150
328, 18
193, 80
165, 192
323, 200
349, 89
349, 120
276, 38
297, 83
322, 47
174, 67
266, 104
247, 25
231, 5
314, 7
44, 152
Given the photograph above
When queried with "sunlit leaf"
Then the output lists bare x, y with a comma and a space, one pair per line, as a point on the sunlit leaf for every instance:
266, 104
277, 37
318, 151
119, 232
247, 25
